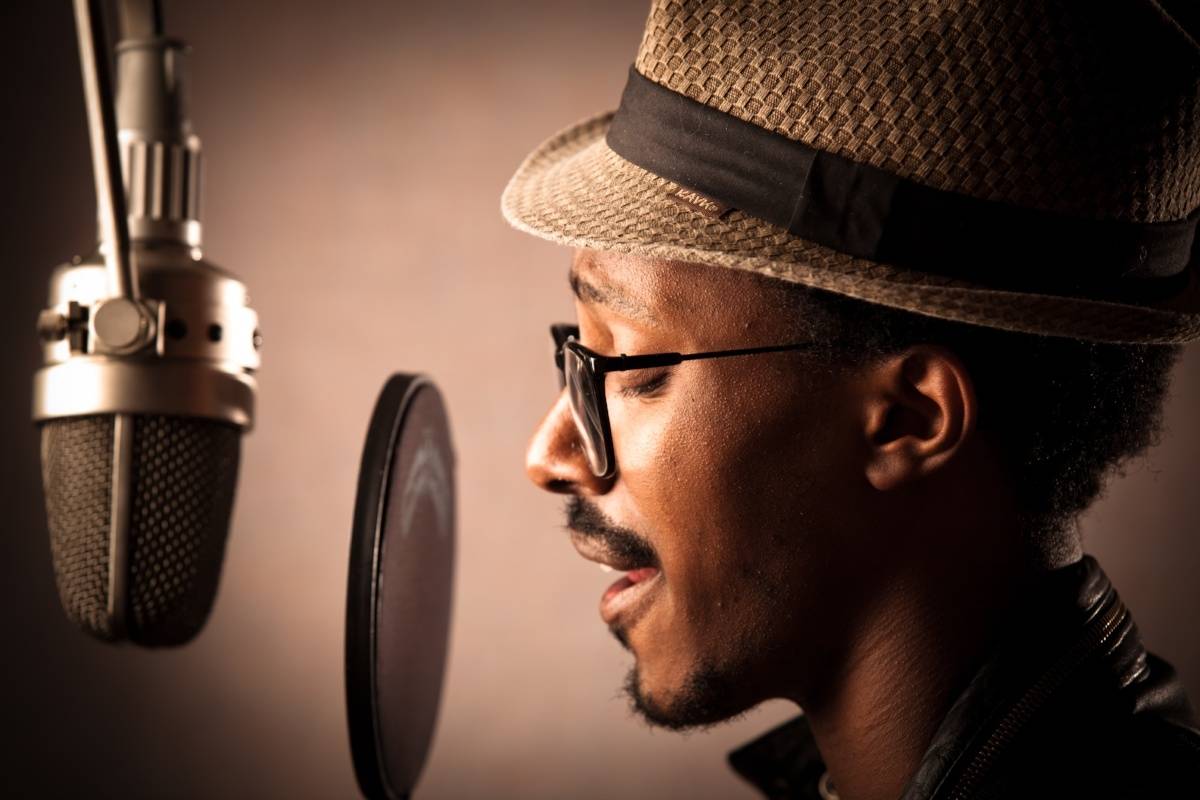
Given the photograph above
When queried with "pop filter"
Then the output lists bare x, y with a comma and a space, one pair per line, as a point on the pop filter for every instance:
399, 594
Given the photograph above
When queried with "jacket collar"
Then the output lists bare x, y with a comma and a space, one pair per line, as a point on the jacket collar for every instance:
1071, 625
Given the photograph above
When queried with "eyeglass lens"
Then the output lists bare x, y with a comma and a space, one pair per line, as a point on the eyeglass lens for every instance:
586, 410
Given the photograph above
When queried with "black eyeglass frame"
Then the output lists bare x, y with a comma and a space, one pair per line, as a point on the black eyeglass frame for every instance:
596, 366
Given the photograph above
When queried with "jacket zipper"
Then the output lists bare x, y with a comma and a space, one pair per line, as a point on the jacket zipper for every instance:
1098, 633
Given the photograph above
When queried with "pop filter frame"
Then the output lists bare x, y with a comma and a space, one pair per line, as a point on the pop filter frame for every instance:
398, 599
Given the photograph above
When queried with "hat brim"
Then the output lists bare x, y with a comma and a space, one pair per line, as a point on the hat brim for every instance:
574, 190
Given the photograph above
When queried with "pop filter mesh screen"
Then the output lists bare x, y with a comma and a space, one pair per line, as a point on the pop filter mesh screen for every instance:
401, 582
183, 478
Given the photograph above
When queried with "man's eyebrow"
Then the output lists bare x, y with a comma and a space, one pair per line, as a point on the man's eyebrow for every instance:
609, 296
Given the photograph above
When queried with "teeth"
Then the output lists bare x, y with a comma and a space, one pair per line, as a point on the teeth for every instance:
605, 568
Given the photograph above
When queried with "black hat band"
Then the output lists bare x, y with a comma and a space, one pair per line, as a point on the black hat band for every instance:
869, 213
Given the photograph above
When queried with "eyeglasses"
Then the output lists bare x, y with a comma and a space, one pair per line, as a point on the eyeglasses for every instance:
582, 371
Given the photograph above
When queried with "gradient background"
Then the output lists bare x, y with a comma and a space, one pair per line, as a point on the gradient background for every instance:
355, 157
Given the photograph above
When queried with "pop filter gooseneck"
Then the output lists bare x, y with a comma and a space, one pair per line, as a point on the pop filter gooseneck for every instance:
400, 585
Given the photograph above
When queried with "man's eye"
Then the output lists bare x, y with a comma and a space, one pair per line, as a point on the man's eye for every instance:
647, 387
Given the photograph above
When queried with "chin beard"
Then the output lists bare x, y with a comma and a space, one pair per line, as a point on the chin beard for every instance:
707, 697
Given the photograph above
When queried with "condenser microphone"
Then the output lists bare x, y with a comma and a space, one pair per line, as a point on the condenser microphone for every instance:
149, 360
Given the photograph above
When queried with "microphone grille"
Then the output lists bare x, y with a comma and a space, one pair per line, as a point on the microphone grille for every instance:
184, 474
77, 455
183, 479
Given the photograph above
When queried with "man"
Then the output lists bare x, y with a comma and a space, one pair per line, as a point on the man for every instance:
871, 297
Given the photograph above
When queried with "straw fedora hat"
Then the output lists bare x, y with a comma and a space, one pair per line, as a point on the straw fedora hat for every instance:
1031, 166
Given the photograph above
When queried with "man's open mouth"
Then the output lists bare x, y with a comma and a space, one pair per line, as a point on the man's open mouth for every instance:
629, 592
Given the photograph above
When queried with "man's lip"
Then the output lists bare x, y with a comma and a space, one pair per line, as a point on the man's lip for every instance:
593, 549
628, 595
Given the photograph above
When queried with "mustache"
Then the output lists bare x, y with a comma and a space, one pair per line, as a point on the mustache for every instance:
585, 518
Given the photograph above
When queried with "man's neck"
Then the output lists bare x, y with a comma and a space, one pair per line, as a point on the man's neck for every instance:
912, 655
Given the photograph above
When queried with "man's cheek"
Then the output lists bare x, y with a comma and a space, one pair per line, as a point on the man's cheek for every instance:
645, 437
690, 615
668, 642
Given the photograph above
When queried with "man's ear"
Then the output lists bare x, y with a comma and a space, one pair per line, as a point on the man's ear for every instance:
919, 407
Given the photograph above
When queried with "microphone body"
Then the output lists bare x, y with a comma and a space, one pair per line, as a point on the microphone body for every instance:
144, 395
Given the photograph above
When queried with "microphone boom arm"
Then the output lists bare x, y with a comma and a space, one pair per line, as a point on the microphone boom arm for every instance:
106, 159
141, 19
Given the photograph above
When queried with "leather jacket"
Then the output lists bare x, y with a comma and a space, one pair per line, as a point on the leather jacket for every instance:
1069, 704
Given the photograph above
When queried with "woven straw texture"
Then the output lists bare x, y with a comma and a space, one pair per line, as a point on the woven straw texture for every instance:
1075, 108
1080, 107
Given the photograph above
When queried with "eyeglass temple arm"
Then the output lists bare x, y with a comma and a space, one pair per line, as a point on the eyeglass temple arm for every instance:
776, 348
563, 331
623, 363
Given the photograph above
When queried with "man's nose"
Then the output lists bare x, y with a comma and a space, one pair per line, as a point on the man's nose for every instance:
555, 459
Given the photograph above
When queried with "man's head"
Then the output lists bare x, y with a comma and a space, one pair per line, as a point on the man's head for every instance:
997, 220
781, 495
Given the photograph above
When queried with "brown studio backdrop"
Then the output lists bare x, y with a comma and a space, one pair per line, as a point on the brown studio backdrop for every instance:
355, 156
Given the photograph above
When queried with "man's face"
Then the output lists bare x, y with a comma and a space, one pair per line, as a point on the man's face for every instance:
735, 488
